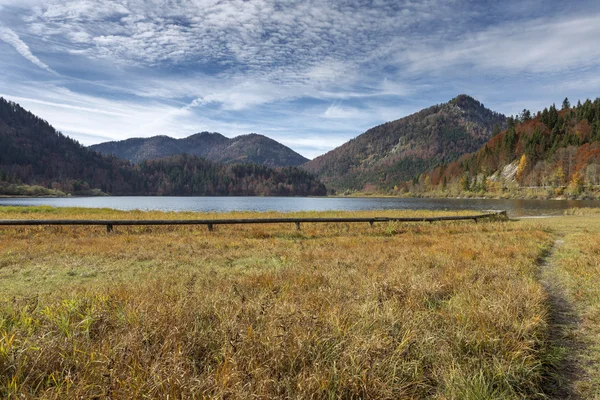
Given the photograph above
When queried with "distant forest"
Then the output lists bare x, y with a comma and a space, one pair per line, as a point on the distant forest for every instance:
34, 153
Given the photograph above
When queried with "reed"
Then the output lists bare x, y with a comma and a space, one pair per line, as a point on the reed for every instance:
446, 310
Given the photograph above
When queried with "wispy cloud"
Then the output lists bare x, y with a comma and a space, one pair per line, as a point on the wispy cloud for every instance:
310, 73
540, 45
76, 113
9, 36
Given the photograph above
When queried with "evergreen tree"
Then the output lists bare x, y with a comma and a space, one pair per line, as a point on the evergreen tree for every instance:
465, 183
496, 130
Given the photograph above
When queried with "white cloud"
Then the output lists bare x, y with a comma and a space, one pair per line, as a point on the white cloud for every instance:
338, 111
21, 3
296, 35
538, 46
83, 116
9, 36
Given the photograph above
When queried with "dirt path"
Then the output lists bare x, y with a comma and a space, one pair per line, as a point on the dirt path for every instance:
564, 320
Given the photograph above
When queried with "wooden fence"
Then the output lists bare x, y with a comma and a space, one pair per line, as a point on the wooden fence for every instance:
210, 223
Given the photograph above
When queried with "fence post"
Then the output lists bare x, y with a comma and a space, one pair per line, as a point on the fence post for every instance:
109, 228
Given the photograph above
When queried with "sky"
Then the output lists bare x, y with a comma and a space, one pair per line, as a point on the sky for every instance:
309, 74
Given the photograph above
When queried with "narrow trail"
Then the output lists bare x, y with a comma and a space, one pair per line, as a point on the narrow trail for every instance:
564, 320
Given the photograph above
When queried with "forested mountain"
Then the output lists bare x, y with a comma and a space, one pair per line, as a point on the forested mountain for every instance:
553, 153
396, 151
252, 148
34, 153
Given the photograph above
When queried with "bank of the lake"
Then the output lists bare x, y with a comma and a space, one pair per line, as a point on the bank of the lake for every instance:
517, 194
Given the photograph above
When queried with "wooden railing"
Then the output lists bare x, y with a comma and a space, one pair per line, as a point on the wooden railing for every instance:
210, 223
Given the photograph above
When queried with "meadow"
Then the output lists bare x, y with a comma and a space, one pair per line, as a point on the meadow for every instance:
573, 272
452, 310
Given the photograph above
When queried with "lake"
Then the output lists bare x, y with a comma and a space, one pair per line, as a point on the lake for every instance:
515, 208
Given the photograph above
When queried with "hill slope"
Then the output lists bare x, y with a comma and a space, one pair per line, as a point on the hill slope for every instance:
252, 148
398, 150
34, 153
554, 151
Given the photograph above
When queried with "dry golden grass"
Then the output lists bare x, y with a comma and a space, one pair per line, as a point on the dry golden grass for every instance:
582, 211
448, 310
576, 269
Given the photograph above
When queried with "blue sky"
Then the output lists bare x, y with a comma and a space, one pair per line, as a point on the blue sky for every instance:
310, 74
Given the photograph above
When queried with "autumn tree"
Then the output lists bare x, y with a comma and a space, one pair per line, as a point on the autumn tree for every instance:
576, 184
522, 167
591, 174
559, 176
427, 183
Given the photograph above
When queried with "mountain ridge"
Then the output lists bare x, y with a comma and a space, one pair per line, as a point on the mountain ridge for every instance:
395, 151
250, 148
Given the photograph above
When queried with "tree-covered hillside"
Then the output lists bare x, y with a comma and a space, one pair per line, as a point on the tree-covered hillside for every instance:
553, 152
34, 153
189, 175
396, 151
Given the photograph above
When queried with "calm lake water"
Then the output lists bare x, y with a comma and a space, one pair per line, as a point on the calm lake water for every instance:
286, 204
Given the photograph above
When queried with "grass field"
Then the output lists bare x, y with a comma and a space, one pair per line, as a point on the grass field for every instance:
575, 273
445, 310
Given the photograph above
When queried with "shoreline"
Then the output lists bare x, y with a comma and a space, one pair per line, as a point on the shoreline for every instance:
356, 196
425, 196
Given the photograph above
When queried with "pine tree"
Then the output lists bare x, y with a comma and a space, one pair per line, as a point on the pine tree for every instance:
465, 183
496, 129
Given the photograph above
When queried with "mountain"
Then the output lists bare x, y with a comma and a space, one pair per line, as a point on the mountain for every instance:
554, 153
252, 148
34, 153
391, 153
